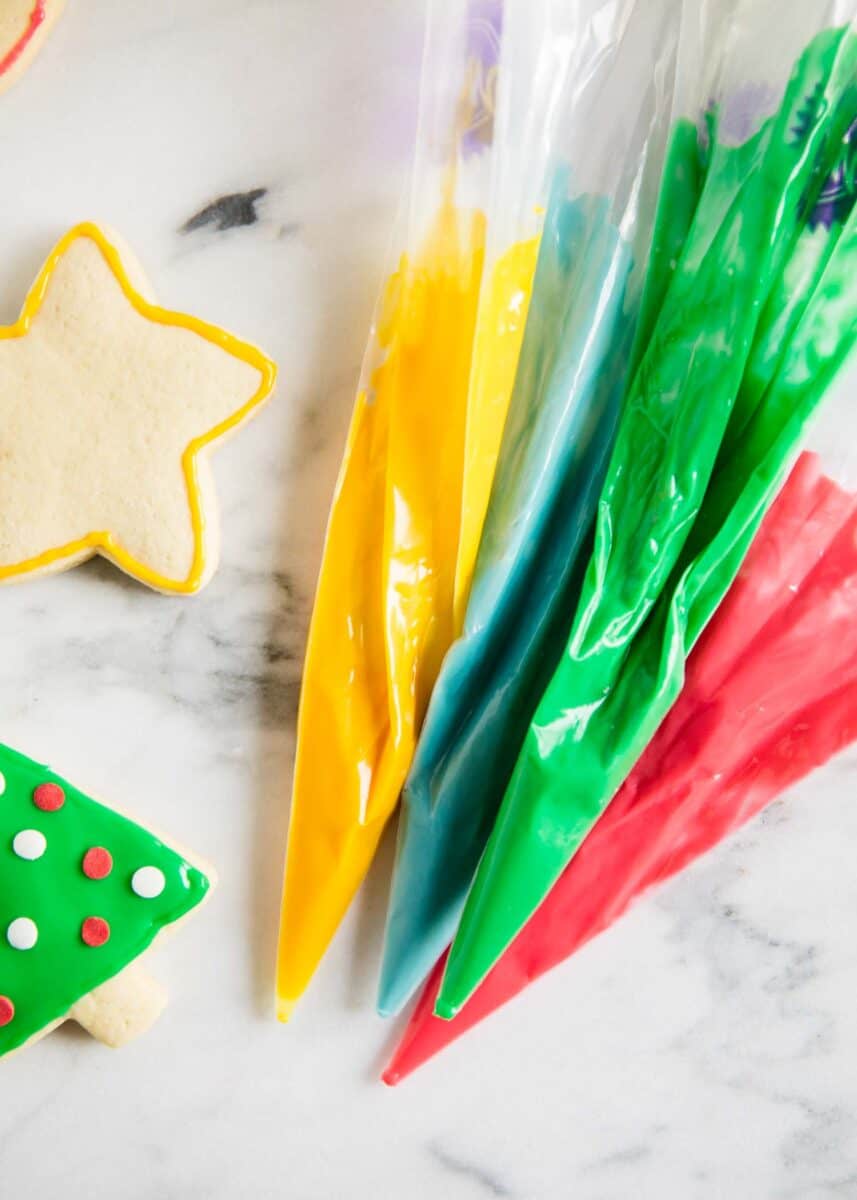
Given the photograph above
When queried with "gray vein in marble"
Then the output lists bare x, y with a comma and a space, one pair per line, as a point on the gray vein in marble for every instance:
239, 661
625, 1156
267, 211
747, 963
484, 1179
324, 417
227, 212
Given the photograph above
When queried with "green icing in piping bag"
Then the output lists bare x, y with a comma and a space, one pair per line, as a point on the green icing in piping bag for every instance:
758, 315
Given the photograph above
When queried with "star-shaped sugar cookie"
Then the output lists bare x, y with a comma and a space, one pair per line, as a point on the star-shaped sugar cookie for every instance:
24, 25
108, 408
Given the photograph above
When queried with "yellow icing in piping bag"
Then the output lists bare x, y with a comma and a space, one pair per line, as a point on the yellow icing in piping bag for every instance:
383, 613
497, 347
399, 550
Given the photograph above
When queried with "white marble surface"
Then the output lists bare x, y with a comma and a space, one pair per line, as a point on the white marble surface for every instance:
707, 1047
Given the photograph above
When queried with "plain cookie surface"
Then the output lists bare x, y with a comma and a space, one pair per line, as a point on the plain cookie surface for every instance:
108, 408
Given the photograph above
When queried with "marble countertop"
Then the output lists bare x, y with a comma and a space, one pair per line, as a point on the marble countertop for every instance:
705, 1047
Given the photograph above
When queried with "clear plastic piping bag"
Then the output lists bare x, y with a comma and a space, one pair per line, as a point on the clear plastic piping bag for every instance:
770, 694
537, 50
383, 611
620, 80
676, 515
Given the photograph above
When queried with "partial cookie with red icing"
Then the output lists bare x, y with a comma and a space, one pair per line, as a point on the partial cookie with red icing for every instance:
84, 892
24, 26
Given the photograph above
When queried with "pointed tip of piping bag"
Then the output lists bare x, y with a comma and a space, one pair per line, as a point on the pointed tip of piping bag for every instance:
430, 883
446, 1011
466, 968
398, 985
512, 880
317, 893
427, 1034
471, 957
464, 972
390, 1077
285, 1008
393, 992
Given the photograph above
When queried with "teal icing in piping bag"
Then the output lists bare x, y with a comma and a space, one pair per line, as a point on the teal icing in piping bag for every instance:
554, 454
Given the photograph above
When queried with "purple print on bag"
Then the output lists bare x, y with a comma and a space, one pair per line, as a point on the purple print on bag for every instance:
741, 113
479, 91
836, 198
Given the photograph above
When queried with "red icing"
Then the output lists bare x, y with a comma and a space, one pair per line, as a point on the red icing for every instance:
95, 931
97, 863
36, 18
7, 1010
770, 693
49, 797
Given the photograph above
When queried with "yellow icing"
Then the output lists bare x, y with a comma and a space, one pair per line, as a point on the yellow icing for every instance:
103, 541
383, 613
496, 349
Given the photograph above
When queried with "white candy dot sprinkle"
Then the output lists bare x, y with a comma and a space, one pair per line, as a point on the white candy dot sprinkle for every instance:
2, 783
148, 882
29, 843
22, 933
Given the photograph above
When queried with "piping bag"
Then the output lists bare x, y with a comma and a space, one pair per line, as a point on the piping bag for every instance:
555, 448
770, 694
671, 531
534, 59
383, 610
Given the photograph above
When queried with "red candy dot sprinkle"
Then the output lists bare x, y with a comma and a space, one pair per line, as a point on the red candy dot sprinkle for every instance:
97, 863
7, 1010
94, 931
49, 797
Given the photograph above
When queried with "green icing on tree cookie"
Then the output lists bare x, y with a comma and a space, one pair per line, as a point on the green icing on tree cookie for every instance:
83, 892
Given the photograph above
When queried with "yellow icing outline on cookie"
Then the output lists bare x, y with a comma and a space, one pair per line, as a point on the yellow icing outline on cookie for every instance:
103, 541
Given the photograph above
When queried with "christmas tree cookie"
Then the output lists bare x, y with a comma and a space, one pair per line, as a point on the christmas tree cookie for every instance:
24, 26
83, 893
109, 407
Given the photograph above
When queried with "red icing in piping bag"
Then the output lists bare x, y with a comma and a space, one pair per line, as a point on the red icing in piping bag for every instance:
770, 694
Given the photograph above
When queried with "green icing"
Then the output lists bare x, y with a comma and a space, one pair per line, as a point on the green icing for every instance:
45, 982
748, 314
681, 186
